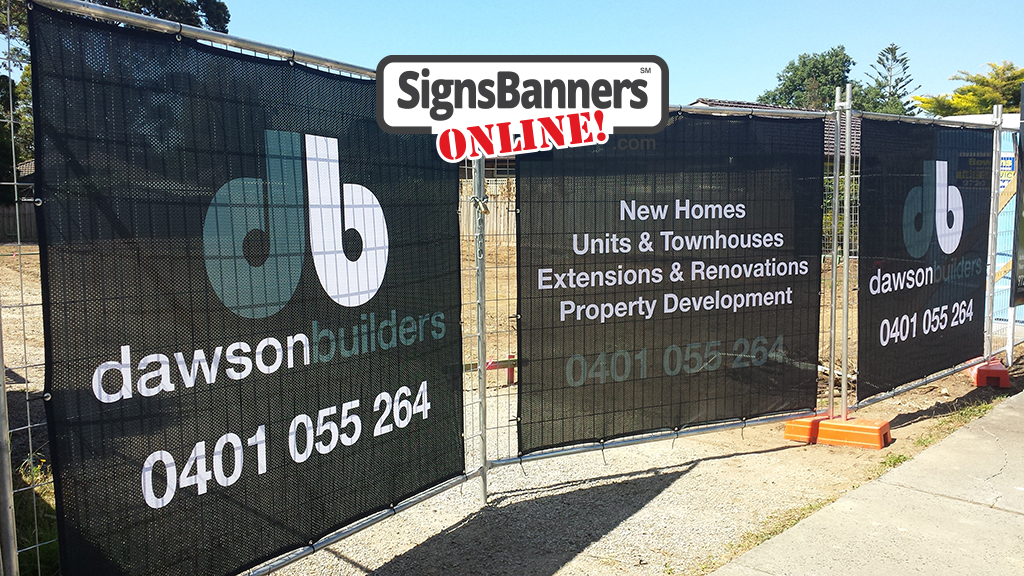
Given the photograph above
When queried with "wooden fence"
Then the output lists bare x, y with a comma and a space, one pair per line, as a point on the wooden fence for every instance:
23, 213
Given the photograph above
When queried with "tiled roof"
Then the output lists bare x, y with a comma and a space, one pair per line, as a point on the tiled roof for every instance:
830, 131
740, 104
27, 168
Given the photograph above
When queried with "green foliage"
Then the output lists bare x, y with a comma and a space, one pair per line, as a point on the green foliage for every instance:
35, 517
810, 80
1001, 85
891, 461
891, 82
954, 420
13, 94
211, 14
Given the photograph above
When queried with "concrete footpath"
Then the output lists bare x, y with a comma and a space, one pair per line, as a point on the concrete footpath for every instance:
957, 508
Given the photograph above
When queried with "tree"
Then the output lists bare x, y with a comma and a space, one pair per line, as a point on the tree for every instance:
7, 192
210, 14
1001, 85
891, 79
810, 81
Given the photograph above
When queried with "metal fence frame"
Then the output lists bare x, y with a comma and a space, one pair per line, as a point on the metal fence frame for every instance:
487, 220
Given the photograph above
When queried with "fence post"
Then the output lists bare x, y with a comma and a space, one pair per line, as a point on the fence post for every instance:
1011, 337
1011, 319
8, 529
835, 261
993, 228
480, 230
848, 106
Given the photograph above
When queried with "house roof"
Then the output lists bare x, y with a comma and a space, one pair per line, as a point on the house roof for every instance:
830, 128
26, 168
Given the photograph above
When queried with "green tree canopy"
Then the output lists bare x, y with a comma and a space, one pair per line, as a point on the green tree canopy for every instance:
210, 14
891, 80
1001, 85
810, 80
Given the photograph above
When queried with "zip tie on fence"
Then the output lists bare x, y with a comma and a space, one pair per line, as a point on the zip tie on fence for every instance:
603, 457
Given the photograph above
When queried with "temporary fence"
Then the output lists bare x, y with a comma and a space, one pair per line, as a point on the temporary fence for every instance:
532, 386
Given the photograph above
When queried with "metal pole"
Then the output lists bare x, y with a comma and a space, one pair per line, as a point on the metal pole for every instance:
923, 120
848, 106
1011, 337
166, 26
333, 538
916, 384
480, 201
656, 437
8, 529
993, 228
1011, 320
835, 264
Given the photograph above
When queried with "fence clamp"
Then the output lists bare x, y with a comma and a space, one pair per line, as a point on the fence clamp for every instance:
481, 205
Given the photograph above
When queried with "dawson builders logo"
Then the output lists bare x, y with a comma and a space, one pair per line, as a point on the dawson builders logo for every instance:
254, 235
934, 209
254, 242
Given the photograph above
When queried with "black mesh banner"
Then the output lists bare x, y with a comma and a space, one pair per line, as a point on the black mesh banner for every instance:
251, 301
924, 219
669, 280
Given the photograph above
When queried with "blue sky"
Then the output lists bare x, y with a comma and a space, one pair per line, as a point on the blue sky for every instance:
714, 49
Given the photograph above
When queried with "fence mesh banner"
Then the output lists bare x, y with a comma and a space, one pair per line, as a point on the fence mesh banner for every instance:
669, 280
251, 301
925, 201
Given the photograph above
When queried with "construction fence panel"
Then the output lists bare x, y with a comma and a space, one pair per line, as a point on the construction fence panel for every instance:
927, 197
210, 364
670, 285
1008, 182
488, 294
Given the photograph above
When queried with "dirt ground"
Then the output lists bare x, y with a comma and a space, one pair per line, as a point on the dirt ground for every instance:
670, 507
22, 319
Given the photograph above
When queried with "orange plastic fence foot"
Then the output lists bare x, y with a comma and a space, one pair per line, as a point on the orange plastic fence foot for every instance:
992, 373
804, 429
857, 432
837, 432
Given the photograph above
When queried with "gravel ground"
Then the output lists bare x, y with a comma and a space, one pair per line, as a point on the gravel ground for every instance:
658, 508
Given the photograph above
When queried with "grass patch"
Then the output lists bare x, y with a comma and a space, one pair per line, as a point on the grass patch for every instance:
949, 423
36, 518
891, 461
775, 524
927, 440
771, 527
963, 415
